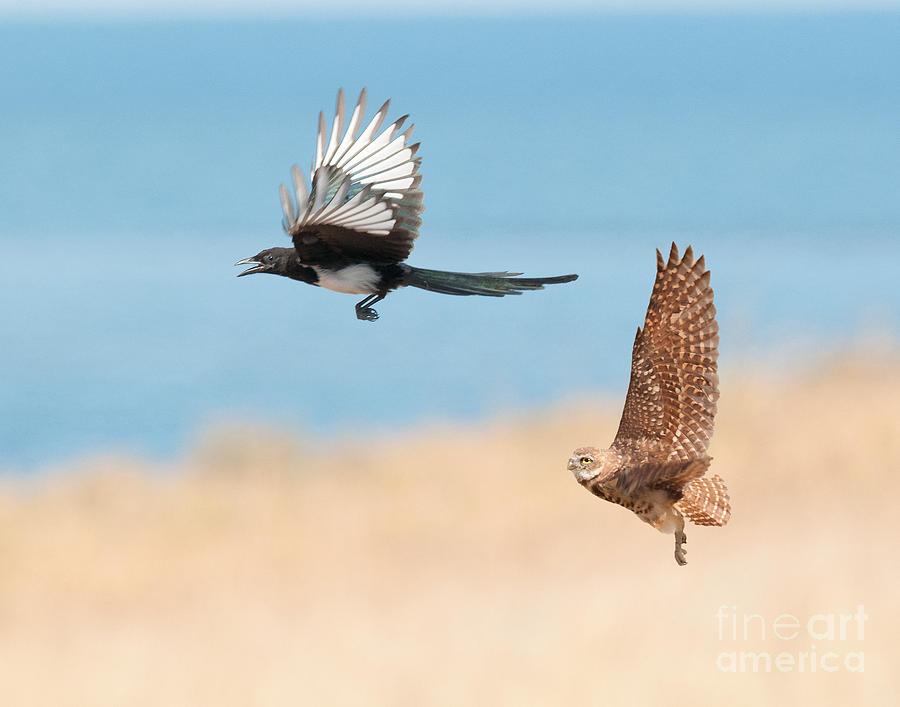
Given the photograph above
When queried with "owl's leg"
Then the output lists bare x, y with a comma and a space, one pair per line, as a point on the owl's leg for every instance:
680, 540
364, 311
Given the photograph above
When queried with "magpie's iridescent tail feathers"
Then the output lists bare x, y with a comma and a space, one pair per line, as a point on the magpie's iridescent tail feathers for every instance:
489, 284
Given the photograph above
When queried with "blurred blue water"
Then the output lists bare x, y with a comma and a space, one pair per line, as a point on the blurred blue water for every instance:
140, 161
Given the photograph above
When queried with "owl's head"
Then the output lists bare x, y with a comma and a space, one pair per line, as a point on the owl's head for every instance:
585, 463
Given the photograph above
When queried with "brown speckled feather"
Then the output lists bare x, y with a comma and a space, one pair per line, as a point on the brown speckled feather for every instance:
705, 501
672, 395
670, 476
657, 464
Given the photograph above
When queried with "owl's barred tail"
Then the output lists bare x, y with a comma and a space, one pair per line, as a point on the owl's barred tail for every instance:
489, 284
705, 501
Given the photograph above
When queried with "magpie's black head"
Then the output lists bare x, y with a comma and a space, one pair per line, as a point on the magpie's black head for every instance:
271, 260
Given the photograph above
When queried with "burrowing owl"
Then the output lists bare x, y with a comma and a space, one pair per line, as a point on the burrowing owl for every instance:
657, 463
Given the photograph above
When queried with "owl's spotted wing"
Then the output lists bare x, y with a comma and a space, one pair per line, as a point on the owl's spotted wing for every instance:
364, 200
674, 384
669, 475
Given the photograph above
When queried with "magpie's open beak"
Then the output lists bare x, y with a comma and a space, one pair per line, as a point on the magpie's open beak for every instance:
257, 266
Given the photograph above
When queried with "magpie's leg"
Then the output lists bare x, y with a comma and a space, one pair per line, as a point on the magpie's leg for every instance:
680, 539
364, 311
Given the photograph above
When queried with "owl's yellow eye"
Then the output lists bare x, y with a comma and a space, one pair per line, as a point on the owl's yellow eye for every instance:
586, 461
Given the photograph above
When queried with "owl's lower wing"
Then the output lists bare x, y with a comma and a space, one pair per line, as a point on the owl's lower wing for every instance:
671, 476
674, 385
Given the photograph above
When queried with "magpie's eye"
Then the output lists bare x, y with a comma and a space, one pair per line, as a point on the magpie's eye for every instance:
586, 461
270, 258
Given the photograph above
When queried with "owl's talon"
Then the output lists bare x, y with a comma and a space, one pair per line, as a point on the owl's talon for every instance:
680, 541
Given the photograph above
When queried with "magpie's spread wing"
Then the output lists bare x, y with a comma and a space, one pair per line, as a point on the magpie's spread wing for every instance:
363, 200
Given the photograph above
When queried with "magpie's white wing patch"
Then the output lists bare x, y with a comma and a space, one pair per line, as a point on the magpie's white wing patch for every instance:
366, 182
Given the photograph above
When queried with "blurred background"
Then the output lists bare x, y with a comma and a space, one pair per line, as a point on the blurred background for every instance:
233, 492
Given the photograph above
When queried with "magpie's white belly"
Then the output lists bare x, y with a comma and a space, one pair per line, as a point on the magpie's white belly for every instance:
358, 279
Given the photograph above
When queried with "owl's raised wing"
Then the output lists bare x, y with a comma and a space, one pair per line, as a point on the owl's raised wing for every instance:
674, 384
363, 200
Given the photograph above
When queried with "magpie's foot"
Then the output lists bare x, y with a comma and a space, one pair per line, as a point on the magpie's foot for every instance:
366, 314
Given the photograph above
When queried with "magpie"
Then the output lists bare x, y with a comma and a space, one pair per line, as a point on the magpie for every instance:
354, 224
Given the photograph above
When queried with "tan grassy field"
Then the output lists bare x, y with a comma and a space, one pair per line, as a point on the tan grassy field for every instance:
463, 565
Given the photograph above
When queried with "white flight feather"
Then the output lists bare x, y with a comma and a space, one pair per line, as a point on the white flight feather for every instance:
337, 200
386, 175
366, 136
354, 205
300, 189
383, 163
379, 212
352, 127
337, 127
367, 151
320, 188
401, 156
397, 184
320, 145
287, 205
374, 221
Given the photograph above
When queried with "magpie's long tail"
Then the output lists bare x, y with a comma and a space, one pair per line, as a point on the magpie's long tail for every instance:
490, 284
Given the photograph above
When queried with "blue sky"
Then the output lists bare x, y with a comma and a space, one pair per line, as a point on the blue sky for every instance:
142, 159
224, 8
